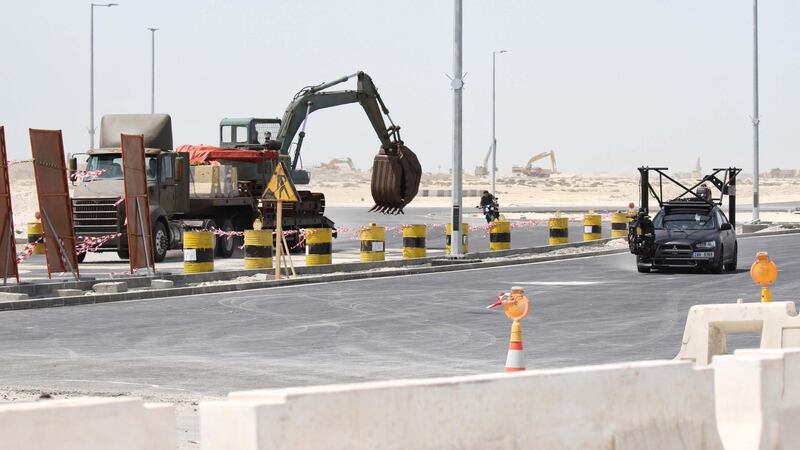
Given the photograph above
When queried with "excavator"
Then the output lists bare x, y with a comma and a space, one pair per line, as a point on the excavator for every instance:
531, 171
483, 170
338, 163
396, 171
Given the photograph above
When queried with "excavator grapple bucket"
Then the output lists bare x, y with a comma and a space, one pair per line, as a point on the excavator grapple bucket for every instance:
395, 179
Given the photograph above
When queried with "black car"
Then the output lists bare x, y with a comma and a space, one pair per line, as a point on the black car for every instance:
691, 235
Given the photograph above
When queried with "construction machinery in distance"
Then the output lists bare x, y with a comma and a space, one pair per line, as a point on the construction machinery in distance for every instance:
698, 171
531, 171
483, 170
338, 164
229, 195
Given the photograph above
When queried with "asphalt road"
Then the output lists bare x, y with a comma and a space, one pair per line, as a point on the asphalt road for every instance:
588, 310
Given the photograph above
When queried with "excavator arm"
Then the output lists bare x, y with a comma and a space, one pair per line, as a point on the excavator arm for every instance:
396, 171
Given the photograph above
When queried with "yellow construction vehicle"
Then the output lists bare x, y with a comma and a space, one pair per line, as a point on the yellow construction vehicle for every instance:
338, 163
698, 171
531, 171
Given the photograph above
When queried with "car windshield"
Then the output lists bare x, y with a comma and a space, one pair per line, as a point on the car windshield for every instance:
109, 167
684, 221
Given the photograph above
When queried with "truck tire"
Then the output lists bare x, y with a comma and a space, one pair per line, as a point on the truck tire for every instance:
160, 242
81, 257
123, 254
226, 245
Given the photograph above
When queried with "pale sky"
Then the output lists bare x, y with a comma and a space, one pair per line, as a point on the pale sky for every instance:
609, 85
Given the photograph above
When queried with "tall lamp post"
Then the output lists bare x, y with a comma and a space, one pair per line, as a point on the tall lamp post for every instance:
91, 69
756, 119
494, 139
457, 84
153, 70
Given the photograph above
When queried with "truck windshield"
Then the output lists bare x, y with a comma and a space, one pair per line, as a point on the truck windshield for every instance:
684, 221
109, 167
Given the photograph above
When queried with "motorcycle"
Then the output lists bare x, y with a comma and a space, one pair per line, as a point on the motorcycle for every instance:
491, 211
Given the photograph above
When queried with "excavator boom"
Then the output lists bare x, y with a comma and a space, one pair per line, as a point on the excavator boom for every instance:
396, 171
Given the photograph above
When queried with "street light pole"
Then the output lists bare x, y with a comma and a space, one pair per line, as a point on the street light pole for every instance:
756, 119
494, 139
153, 70
457, 84
91, 69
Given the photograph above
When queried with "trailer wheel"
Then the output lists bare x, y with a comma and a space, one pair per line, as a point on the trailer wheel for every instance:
160, 242
226, 244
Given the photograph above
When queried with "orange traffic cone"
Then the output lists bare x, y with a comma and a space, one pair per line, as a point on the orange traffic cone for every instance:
515, 361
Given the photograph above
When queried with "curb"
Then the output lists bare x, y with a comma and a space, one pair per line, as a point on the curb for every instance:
322, 274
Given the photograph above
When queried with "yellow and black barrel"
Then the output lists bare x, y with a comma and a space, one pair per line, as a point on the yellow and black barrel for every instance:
414, 241
464, 238
619, 224
318, 246
36, 234
198, 251
499, 235
257, 249
592, 226
373, 243
559, 229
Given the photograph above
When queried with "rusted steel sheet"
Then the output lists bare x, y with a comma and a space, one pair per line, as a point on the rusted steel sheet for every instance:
47, 147
137, 206
8, 250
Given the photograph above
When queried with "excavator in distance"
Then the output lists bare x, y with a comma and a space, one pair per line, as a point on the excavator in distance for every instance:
396, 171
338, 163
539, 172
483, 170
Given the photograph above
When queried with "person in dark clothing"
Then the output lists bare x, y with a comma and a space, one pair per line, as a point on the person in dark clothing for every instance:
487, 199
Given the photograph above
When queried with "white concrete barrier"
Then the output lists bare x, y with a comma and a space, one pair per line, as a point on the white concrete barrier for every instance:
708, 325
758, 399
641, 405
87, 424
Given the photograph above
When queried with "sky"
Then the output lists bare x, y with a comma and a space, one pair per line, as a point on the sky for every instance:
607, 85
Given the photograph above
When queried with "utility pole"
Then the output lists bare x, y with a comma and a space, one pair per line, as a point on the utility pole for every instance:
494, 138
756, 119
91, 69
457, 84
153, 70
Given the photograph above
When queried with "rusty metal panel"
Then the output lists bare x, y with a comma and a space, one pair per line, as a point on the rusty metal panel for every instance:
47, 147
8, 249
137, 207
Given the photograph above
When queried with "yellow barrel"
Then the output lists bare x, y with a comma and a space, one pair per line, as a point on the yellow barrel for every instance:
318, 246
499, 235
559, 230
619, 224
257, 249
198, 251
592, 228
36, 234
414, 241
373, 243
464, 238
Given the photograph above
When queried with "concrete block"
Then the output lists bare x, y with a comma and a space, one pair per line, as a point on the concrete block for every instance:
10, 296
110, 288
707, 326
69, 292
161, 284
754, 227
758, 399
87, 424
621, 406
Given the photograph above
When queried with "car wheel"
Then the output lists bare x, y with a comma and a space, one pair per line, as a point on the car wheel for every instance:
226, 244
718, 265
160, 242
643, 269
731, 266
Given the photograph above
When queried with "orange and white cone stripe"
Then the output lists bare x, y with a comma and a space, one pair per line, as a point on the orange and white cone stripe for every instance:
515, 361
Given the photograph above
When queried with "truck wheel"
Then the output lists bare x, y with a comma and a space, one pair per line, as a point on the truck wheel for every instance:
226, 244
123, 254
160, 242
81, 257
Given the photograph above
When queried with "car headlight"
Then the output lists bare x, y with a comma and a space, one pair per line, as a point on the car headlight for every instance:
708, 244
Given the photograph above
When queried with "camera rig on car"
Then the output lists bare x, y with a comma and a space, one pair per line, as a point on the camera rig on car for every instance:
641, 232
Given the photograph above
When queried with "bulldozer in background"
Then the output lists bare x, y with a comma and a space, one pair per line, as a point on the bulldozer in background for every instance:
539, 172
